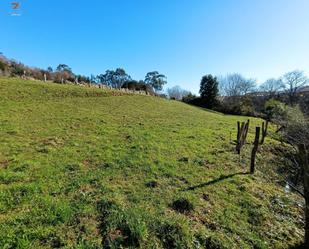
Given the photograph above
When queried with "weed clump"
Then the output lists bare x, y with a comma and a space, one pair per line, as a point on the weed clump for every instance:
209, 242
121, 228
206, 197
255, 213
72, 167
152, 184
174, 234
183, 205
184, 159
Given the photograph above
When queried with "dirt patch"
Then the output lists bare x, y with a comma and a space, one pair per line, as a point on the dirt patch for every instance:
4, 164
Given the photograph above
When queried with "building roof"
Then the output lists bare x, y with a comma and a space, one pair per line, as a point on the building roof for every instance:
303, 89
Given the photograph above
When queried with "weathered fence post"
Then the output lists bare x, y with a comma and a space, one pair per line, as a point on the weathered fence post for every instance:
247, 129
239, 136
264, 131
238, 130
242, 132
254, 150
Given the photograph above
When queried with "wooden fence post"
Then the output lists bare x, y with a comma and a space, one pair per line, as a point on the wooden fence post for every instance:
242, 132
239, 136
247, 128
238, 130
254, 150
264, 131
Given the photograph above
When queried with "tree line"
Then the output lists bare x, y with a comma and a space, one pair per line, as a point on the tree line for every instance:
236, 94
119, 78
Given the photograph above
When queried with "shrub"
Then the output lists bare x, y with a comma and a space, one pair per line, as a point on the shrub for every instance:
236, 105
17, 69
152, 184
138, 86
274, 109
246, 107
189, 98
3, 66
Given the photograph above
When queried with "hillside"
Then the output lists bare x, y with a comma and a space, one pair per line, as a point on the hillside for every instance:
93, 168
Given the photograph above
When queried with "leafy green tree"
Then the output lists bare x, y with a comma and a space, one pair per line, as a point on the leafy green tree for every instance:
113, 78
63, 68
138, 86
209, 90
63, 73
156, 80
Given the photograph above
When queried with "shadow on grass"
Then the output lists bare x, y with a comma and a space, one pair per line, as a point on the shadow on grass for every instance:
221, 178
217, 112
208, 110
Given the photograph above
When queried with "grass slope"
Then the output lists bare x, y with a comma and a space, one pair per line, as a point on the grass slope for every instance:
85, 168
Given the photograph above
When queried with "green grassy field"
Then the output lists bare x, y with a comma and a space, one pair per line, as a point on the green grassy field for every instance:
88, 168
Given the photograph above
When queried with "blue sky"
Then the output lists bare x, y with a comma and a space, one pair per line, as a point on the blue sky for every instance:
183, 39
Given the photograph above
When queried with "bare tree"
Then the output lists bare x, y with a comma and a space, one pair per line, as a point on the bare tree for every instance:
293, 81
247, 86
236, 85
177, 92
272, 86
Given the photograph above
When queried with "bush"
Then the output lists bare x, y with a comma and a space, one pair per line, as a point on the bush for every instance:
188, 98
198, 101
3, 66
138, 86
236, 105
17, 69
246, 107
274, 109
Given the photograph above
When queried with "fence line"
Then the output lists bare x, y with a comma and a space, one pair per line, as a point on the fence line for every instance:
102, 86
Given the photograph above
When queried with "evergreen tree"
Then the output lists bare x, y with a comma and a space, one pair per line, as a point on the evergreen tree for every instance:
209, 91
